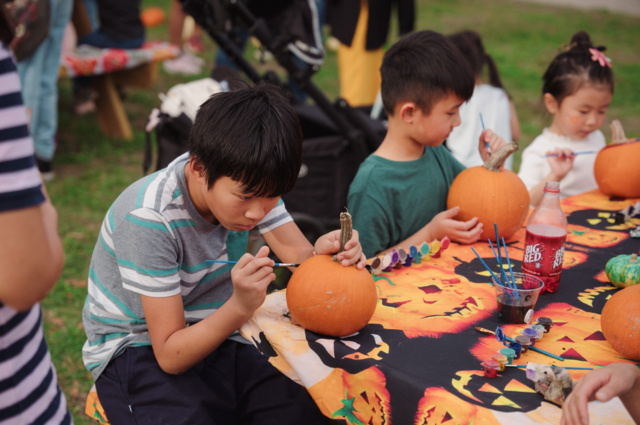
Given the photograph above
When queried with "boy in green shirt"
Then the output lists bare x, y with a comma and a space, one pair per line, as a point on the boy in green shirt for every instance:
399, 196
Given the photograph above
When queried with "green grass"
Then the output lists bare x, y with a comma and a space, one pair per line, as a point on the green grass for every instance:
93, 169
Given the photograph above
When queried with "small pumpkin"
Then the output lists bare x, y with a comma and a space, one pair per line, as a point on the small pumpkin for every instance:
620, 321
152, 17
617, 169
492, 194
325, 297
623, 270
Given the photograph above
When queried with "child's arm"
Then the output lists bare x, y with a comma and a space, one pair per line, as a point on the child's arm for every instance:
178, 347
514, 122
618, 379
560, 166
291, 246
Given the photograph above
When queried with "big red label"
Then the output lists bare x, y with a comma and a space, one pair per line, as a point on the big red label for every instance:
543, 257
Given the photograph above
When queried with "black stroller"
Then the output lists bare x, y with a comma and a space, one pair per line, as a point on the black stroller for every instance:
337, 137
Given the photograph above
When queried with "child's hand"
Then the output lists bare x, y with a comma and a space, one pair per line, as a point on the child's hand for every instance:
443, 224
603, 384
330, 244
495, 142
250, 277
562, 163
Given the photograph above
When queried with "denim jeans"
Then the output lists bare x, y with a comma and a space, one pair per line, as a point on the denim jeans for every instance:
100, 39
39, 79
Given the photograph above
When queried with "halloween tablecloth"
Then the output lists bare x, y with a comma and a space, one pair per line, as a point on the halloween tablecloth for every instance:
418, 360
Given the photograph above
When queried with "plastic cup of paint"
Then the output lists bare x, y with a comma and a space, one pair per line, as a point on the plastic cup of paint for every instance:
424, 249
531, 334
386, 263
413, 251
395, 257
490, 368
524, 341
435, 249
513, 304
517, 349
402, 255
546, 322
408, 261
502, 359
376, 265
418, 258
444, 243
509, 354
539, 329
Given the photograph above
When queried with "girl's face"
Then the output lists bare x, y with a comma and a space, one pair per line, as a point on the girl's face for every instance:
580, 113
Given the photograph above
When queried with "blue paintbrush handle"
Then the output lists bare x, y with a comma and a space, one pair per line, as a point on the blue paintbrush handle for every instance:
487, 143
554, 366
235, 262
538, 350
574, 154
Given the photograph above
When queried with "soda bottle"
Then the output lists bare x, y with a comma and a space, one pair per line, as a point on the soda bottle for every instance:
544, 242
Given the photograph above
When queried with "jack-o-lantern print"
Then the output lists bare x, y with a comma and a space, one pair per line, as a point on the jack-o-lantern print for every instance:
439, 407
366, 400
441, 303
575, 336
594, 238
505, 393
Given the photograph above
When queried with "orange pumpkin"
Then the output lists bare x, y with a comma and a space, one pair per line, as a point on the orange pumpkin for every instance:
620, 322
324, 296
492, 194
616, 169
152, 17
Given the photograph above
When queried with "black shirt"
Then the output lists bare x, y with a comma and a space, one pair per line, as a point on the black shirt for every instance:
120, 19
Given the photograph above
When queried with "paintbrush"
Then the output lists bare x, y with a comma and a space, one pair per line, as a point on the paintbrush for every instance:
234, 262
553, 366
574, 154
532, 348
487, 143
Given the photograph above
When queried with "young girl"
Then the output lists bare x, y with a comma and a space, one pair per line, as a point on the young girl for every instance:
578, 87
490, 100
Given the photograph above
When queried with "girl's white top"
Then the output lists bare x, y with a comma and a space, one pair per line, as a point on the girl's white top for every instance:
493, 103
535, 167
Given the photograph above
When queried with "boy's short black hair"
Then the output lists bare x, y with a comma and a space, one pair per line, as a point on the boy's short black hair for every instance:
424, 68
251, 135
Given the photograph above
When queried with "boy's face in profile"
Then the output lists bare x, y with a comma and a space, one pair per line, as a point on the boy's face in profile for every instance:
235, 209
433, 129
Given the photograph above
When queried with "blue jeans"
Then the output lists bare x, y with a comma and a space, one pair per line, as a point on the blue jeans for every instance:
100, 39
39, 79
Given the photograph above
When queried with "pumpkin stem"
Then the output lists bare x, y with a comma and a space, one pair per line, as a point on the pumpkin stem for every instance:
495, 161
346, 231
617, 132
634, 258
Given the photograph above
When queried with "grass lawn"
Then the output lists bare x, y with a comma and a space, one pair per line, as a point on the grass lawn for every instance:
92, 169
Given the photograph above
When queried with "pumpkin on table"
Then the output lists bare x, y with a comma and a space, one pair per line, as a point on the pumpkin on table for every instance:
620, 321
492, 194
325, 297
617, 166
623, 270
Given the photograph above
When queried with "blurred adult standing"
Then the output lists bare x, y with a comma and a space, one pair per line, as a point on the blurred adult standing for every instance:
362, 27
39, 78
31, 261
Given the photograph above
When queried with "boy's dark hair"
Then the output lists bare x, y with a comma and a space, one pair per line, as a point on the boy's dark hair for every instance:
6, 26
574, 67
251, 135
424, 68
470, 45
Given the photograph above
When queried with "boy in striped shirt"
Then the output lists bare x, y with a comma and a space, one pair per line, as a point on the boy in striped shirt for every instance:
161, 322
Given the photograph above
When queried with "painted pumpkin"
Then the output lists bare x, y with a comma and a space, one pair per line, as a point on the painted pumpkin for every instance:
325, 297
621, 322
616, 169
492, 194
152, 17
623, 270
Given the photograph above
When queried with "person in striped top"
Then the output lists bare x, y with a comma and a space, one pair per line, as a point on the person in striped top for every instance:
161, 322
31, 261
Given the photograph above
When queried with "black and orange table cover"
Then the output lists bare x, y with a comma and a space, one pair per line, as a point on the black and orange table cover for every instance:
418, 360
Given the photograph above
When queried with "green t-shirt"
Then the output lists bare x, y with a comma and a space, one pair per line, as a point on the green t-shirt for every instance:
390, 200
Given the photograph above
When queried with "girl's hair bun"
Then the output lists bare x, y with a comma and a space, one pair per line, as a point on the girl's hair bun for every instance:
582, 40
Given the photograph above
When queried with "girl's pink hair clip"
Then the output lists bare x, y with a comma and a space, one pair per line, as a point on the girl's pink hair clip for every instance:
599, 57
